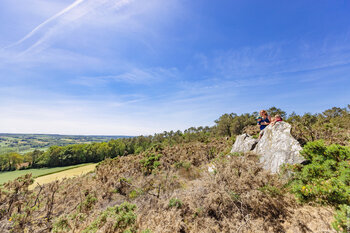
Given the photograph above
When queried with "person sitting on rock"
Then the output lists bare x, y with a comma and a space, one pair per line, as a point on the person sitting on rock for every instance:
277, 118
263, 121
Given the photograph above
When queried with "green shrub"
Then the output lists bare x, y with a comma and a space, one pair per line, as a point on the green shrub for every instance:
327, 178
150, 163
135, 193
146, 231
342, 219
271, 190
18, 221
123, 218
174, 202
183, 164
88, 203
61, 225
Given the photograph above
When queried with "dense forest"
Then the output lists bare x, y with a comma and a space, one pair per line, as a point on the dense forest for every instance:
332, 126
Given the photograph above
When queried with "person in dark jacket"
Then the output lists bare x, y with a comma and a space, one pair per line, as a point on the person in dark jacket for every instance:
263, 120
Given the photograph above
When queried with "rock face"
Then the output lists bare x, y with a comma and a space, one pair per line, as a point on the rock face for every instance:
244, 143
276, 147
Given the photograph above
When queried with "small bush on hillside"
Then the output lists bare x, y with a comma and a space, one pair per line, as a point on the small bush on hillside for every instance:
174, 202
271, 190
61, 225
88, 203
150, 163
342, 219
183, 164
123, 218
327, 178
135, 193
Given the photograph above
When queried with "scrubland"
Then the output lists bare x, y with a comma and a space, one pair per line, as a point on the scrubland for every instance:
161, 183
164, 189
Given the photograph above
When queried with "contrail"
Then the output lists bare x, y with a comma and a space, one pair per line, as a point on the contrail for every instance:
85, 7
67, 9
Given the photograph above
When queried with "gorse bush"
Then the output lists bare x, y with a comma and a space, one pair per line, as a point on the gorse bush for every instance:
174, 202
342, 219
88, 203
61, 225
150, 162
326, 179
183, 164
122, 217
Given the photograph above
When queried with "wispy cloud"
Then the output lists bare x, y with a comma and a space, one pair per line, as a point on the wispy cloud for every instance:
147, 76
64, 19
46, 22
273, 62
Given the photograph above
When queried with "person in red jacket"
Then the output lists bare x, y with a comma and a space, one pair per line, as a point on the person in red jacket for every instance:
277, 118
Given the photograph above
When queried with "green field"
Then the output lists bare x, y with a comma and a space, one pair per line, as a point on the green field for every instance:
6, 176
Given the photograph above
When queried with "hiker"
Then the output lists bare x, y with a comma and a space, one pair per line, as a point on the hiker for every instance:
263, 121
277, 118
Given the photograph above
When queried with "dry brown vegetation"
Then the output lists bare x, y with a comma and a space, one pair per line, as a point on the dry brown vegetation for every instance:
172, 191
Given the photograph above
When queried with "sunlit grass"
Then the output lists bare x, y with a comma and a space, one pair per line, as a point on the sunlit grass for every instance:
63, 174
6, 176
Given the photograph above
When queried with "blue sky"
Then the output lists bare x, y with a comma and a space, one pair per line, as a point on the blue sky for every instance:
134, 67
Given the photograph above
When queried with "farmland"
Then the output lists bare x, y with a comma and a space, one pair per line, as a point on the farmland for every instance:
23, 143
47, 174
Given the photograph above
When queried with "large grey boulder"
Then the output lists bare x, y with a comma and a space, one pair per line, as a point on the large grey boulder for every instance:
244, 143
277, 146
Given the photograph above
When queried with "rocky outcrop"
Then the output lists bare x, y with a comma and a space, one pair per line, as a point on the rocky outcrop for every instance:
244, 143
276, 147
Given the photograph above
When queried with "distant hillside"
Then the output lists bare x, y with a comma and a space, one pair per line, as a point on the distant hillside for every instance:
23, 143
